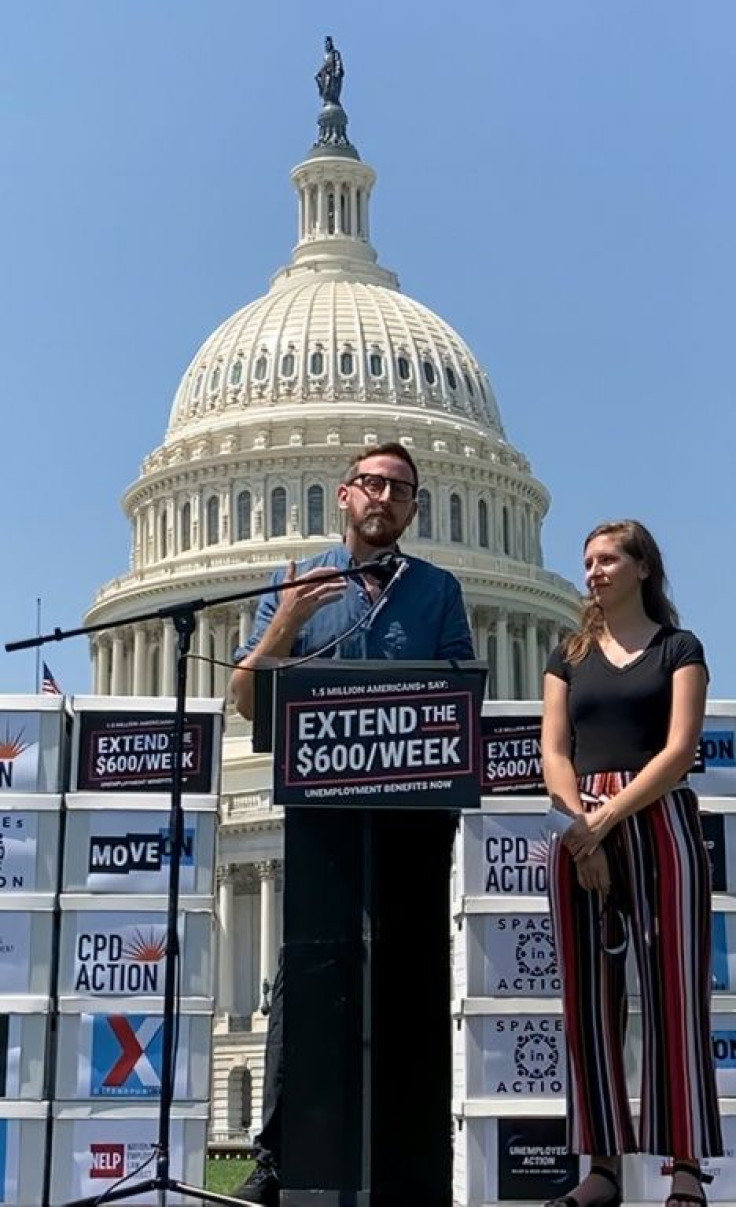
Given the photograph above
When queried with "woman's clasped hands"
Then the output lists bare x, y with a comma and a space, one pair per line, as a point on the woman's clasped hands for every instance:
585, 835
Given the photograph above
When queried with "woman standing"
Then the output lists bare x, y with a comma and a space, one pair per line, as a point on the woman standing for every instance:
624, 699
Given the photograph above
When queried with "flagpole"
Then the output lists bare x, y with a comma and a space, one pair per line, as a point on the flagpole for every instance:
38, 648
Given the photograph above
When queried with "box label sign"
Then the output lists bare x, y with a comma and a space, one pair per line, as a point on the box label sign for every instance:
533, 1160
18, 846
130, 852
134, 752
515, 850
511, 756
715, 774
121, 1056
656, 1172
524, 1055
519, 955
113, 957
382, 740
19, 751
15, 951
106, 1150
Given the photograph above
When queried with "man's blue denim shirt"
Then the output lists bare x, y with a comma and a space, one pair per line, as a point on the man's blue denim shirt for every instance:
423, 617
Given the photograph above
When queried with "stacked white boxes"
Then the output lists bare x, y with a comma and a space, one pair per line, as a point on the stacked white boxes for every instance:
509, 1040
112, 945
33, 731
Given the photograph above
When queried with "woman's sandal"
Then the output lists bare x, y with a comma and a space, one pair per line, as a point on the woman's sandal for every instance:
613, 1200
678, 1196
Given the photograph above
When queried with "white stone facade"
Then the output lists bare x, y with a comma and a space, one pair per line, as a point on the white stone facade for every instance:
267, 415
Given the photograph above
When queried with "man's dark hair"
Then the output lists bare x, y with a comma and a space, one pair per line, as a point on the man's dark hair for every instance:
390, 449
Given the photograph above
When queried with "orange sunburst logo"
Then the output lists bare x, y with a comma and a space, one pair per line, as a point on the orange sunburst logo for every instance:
12, 744
539, 851
145, 948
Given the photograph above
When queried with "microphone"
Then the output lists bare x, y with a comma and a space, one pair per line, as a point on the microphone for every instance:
385, 569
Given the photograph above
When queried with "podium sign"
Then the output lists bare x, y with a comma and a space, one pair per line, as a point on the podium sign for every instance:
397, 737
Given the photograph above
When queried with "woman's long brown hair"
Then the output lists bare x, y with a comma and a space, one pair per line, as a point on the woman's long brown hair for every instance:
638, 542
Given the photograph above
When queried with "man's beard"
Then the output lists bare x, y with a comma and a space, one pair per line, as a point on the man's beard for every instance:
378, 530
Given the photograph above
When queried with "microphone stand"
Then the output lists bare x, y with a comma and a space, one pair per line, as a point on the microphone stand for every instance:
183, 618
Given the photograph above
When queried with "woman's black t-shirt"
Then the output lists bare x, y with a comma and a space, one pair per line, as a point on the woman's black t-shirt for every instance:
619, 716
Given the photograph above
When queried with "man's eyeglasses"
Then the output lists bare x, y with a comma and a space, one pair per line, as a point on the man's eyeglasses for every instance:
375, 485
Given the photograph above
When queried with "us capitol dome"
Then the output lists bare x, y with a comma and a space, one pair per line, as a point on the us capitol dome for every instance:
269, 412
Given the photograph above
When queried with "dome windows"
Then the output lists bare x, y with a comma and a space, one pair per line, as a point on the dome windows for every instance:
278, 511
506, 531
451, 378
215, 379
317, 363
185, 528
236, 372
347, 363
403, 364
315, 510
430, 376
198, 384
424, 514
243, 516
260, 369
375, 364
456, 518
483, 524
469, 385
212, 520
288, 364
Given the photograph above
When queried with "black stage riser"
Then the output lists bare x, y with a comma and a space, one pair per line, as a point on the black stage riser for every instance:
367, 1082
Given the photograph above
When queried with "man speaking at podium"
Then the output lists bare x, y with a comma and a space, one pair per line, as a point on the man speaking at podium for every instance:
420, 617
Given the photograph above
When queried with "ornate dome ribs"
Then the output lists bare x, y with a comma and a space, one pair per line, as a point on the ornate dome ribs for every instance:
329, 340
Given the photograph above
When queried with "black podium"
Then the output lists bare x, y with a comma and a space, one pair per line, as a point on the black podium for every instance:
372, 762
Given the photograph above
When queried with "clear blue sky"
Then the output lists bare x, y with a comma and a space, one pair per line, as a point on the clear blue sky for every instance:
556, 179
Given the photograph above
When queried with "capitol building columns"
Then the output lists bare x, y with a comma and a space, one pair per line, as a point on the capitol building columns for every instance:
226, 921
168, 660
267, 870
503, 677
139, 660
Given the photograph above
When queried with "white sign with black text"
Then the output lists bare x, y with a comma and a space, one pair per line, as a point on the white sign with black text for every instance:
519, 956
505, 854
113, 955
718, 754
656, 1172
130, 852
15, 951
524, 1056
18, 849
107, 1150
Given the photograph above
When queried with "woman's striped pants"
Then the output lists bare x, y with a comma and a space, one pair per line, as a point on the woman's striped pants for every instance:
660, 881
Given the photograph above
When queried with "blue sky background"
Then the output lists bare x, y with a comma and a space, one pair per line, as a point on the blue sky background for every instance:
556, 179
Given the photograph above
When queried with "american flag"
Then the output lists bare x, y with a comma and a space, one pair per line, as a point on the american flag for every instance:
49, 686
